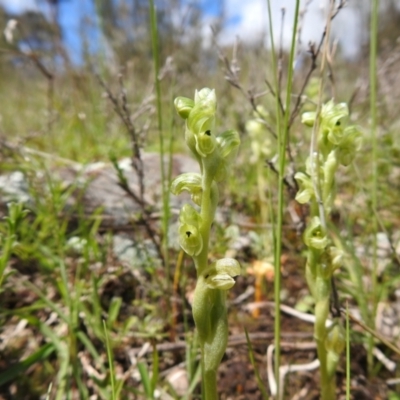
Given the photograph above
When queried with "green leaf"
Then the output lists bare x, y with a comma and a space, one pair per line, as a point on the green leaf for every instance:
144, 374
12, 372
113, 311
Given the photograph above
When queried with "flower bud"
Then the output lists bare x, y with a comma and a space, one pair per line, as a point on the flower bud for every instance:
206, 95
183, 106
324, 267
336, 338
308, 118
255, 128
202, 116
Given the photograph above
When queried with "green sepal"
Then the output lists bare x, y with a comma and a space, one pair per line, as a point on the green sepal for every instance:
205, 143
306, 189
206, 95
220, 275
183, 106
336, 256
328, 185
190, 182
336, 338
201, 119
190, 238
202, 116
189, 215
332, 114
349, 145
191, 143
308, 118
314, 236
228, 143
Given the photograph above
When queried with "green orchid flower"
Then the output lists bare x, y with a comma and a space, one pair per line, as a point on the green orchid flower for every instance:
190, 238
189, 182
349, 145
206, 143
314, 235
183, 106
202, 116
220, 275
306, 189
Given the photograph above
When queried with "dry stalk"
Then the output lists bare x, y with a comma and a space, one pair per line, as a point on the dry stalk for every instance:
121, 108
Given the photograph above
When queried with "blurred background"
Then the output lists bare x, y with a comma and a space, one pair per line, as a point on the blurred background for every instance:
117, 26
51, 48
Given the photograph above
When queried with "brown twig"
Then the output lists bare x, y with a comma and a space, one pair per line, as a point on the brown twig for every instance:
314, 52
239, 340
121, 108
231, 70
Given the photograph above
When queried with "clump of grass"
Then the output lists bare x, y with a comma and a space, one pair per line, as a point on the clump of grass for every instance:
8, 238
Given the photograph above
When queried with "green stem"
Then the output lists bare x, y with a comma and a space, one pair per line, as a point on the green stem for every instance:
210, 385
210, 315
209, 202
328, 387
164, 175
374, 189
278, 231
282, 135
322, 294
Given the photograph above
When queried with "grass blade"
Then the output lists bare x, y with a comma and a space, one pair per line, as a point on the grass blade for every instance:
12, 373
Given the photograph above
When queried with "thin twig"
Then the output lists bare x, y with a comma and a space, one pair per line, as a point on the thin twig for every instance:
314, 52
231, 70
122, 110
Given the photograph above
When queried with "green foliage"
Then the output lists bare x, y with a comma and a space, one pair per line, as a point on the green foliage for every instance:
8, 240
